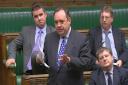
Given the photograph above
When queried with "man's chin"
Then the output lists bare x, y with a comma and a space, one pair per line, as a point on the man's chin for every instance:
60, 33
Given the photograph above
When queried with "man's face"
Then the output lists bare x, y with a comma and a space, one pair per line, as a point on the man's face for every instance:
106, 20
39, 17
62, 23
105, 60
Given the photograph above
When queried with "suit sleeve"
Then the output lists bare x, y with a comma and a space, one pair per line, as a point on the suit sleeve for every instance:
124, 53
14, 45
124, 76
83, 60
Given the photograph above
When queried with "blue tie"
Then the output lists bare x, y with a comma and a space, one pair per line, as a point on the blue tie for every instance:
109, 78
107, 40
38, 43
61, 51
37, 47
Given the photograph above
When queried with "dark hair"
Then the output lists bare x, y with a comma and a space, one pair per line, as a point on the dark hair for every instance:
36, 6
100, 50
107, 8
64, 9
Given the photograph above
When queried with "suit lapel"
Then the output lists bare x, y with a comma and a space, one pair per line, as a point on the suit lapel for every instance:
32, 38
69, 44
115, 36
48, 30
116, 77
101, 78
55, 49
98, 38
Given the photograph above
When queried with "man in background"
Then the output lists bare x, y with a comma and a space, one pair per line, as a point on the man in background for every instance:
106, 35
31, 40
108, 74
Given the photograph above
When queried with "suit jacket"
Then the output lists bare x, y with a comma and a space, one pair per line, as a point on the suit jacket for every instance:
120, 77
95, 41
70, 73
26, 41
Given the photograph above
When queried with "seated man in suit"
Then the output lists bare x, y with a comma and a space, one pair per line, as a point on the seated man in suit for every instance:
108, 74
108, 36
66, 52
31, 40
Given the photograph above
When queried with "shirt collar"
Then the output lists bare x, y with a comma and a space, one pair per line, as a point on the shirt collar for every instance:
110, 29
69, 31
43, 29
110, 71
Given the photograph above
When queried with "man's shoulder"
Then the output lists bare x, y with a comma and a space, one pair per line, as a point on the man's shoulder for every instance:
117, 30
95, 30
77, 33
121, 70
51, 34
28, 28
50, 29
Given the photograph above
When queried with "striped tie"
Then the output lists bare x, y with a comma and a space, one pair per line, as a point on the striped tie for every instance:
107, 40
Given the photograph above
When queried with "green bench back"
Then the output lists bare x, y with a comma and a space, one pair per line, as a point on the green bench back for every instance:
13, 19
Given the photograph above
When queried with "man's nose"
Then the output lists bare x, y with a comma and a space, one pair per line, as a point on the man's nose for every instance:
39, 17
58, 24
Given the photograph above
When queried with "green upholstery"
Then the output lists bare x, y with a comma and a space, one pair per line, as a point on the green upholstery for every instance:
13, 19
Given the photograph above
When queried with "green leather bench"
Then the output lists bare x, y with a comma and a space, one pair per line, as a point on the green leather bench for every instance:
13, 19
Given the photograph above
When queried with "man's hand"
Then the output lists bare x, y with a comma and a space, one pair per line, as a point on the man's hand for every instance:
40, 58
10, 61
65, 58
119, 63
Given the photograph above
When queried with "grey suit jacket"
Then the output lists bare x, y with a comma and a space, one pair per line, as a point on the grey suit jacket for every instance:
26, 41
79, 52
95, 41
120, 77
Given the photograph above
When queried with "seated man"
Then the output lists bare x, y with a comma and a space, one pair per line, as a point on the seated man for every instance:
108, 74
106, 35
31, 40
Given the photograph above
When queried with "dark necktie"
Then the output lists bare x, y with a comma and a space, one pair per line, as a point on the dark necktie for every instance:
107, 40
109, 78
61, 51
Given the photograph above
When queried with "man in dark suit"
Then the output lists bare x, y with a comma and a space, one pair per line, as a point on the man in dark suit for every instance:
66, 52
108, 36
108, 74
28, 38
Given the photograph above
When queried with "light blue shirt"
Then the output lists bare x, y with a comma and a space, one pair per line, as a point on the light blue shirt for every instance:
110, 35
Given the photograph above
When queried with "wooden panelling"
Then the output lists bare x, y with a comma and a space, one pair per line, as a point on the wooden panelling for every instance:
7, 76
27, 3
